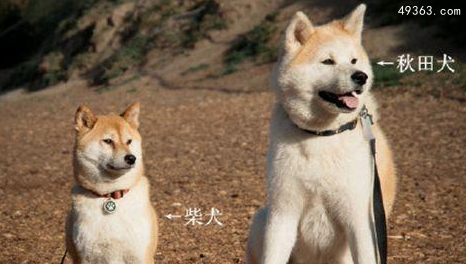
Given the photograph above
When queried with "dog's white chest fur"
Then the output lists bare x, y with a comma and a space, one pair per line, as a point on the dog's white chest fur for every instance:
319, 191
328, 175
121, 237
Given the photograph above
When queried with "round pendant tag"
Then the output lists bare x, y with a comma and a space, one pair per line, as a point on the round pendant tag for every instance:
109, 206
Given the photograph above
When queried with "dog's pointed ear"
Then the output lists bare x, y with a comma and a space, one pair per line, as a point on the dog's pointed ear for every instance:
131, 114
298, 32
84, 119
353, 22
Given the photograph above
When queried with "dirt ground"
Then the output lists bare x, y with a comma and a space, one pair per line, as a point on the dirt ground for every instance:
207, 149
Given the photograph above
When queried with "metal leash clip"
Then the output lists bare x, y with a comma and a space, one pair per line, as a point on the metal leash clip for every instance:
367, 122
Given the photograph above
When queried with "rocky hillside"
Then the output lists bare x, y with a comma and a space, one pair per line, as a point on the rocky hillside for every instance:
208, 44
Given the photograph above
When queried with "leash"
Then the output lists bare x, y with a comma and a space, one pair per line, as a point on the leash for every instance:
63, 258
379, 225
378, 209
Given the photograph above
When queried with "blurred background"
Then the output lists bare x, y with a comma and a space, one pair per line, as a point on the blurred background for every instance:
201, 69
189, 43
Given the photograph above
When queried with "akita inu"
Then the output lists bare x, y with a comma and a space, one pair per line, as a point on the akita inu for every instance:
112, 220
320, 178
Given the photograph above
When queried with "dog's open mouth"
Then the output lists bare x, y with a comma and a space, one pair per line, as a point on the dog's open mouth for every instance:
348, 101
114, 168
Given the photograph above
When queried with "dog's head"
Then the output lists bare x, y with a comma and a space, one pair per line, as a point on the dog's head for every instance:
108, 153
323, 74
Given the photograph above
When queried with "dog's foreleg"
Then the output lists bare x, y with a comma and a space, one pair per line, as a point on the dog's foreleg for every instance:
361, 244
280, 236
357, 225
345, 256
281, 229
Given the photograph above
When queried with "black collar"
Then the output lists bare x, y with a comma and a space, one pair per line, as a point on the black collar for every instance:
348, 126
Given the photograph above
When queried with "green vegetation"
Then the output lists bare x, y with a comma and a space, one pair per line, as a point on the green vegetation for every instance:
22, 73
41, 23
458, 78
189, 28
54, 72
33, 21
386, 76
187, 24
196, 68
132, 90
205, 17
253, 45
55, 28
130, 54
186, 29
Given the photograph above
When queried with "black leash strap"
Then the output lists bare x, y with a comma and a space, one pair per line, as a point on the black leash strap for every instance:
379, 211
63, 258
377, 199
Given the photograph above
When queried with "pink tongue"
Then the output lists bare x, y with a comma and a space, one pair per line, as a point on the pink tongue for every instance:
349, 101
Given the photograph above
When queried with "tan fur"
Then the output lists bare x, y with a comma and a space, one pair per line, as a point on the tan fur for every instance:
129, 235
320, 38
154, 238
387, 171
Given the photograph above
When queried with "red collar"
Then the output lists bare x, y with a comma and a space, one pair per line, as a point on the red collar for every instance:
115, 195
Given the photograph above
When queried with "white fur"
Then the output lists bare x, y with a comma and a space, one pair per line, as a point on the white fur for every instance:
121, 237
319, 188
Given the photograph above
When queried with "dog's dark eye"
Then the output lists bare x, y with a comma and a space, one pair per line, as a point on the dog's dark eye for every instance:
328, 62
108, 141
353, 61
129, 141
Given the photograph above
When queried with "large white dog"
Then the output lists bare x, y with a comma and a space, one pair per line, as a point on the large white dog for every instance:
320, 186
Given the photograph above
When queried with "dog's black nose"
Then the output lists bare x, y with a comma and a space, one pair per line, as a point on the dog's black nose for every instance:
130, 159
359, 77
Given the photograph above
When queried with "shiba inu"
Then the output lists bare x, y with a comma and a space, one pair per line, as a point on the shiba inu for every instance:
319, 183
112, 219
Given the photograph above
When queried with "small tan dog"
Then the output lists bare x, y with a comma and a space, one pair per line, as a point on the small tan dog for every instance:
112, 220
319, 163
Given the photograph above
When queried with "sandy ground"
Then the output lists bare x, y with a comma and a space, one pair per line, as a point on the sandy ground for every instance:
207, 149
